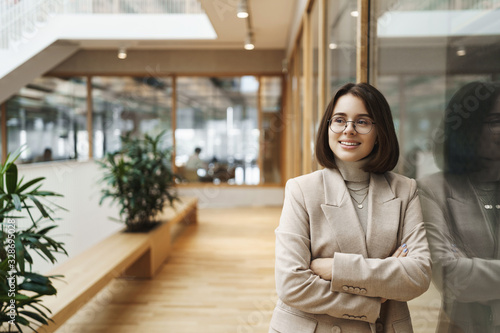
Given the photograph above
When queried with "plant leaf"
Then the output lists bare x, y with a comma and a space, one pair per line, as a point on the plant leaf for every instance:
17, 201
11, 178
28, 184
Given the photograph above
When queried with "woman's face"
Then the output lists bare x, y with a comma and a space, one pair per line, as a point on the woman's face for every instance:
349, 145
489, 140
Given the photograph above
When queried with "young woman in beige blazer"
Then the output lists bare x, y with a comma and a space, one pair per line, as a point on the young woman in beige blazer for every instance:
351, 246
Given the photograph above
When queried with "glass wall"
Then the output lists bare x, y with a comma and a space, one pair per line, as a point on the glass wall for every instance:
220, 116
423, 53
49, 117
237, 122
135, 105
341, 39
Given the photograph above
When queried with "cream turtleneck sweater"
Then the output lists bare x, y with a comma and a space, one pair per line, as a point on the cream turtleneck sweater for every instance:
357, 181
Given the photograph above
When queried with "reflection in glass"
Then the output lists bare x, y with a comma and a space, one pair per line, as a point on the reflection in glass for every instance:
422, 53
49, 116
461, 207
341, 44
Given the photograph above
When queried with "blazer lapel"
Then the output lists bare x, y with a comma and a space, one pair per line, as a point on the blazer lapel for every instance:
471, 221
341, 214
384, 211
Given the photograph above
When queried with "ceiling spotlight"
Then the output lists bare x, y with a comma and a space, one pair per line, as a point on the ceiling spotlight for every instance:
122, 53
461, 51
354, 13
333, 46
249, 43
242, 9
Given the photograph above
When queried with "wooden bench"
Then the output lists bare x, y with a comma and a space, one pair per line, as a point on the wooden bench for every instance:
131, 254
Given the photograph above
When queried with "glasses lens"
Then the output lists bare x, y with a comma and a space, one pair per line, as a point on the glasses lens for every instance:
363, 126
337, 125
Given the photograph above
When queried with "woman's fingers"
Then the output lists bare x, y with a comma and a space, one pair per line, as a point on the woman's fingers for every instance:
402, 251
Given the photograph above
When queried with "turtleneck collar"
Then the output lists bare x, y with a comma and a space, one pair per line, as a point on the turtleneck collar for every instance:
353, 171
490, 171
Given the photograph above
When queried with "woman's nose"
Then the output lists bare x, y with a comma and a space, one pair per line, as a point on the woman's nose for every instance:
349, 128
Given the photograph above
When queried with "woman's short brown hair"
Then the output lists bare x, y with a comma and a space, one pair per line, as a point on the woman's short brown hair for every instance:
385, 154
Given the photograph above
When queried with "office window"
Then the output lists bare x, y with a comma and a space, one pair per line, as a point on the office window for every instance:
49, 117
135, 105
220, 116
341, 44
272, 127
422, 53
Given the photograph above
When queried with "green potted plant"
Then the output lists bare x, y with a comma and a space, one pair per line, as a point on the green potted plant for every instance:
21, 288
140, 179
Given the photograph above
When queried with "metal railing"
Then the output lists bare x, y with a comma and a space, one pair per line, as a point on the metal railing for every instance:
21, 19
411, 5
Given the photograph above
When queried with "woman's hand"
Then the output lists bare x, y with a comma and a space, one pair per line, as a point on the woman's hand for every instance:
323, 268
401, 252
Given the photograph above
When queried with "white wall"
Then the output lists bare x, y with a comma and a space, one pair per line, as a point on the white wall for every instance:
86, 223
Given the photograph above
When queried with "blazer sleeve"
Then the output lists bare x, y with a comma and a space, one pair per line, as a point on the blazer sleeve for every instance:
458, 276
400, 279
296, 284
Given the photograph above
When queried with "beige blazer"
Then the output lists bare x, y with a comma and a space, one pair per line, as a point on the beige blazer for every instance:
466, 253
319, 221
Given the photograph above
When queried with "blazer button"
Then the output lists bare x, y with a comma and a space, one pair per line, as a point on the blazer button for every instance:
336, 329
346, 316
345, 288
362, 291
351, 289
363, 317
379, 327
357, 290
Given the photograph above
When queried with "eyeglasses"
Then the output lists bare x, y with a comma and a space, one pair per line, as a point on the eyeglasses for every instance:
361, 125
494, 125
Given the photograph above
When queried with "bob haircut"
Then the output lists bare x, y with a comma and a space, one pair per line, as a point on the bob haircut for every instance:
385, 154
463, 123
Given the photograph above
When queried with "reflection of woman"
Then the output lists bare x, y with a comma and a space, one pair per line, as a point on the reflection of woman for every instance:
462, 209
339, 263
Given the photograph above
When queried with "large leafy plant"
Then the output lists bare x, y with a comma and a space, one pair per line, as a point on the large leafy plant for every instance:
21, 289
139, 178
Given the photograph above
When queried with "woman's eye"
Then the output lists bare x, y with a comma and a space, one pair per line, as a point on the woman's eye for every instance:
362, 122
338, 120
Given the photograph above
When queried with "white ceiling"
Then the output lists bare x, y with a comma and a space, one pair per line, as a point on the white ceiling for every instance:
270, 20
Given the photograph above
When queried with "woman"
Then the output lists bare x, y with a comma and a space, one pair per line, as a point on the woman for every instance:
462, 212
351, 246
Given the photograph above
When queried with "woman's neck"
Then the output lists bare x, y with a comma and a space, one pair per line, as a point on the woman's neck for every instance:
353, 171
490, 171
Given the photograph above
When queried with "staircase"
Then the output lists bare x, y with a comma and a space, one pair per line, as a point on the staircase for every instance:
37, 35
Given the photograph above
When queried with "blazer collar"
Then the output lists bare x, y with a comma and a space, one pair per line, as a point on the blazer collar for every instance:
383, 216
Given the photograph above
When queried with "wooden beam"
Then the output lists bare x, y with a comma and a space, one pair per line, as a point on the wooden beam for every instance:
3, 129
90, 108
307, 88
362, 53
297, 116
322, 56
174, 120
260, 159
285, 143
